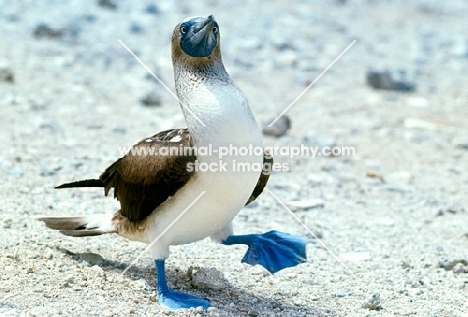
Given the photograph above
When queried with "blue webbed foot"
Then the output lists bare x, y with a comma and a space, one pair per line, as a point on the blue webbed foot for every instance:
274, 250
173, 299
177, 300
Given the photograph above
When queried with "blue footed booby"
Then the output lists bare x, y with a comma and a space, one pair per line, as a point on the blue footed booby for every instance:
153, 190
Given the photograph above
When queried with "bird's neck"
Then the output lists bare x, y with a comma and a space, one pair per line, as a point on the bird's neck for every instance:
209, 95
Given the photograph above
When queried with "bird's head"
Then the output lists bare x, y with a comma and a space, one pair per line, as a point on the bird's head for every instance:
195, 41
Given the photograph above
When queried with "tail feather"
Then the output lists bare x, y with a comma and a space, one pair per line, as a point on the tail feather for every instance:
83, 183
82, 233
79, 226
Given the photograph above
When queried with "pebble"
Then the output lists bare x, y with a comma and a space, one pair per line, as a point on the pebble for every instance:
389, 80
135, 27
108, 4
460, 268
152, 9
70, 31
70, 279
344, 293
279, 128
6, 75
415, 123
97, 271
448, 265
415, 292
297, 205
374, 303
151, 99
417, 102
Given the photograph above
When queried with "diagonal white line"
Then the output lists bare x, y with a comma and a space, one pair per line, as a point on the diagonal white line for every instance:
312, 83
310, 231
162, 233
162, 83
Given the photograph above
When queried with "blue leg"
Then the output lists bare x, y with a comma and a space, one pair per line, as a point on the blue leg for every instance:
274, 250
174, 299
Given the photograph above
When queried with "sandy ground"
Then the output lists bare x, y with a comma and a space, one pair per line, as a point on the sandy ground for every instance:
395, 212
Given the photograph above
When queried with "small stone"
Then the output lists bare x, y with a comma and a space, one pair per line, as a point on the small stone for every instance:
252, 313
417, 102
449, 264
389, 80
97, 271
208, 278
297, 205
199, 309
6, 75
70, 279
109, 4
415, 123
152, 9
386, 221
415, 291
405, 264
91, 258
135, 27
374, 303
460, 268
344, 293
45, 31
151, 99
279, 128
374, 174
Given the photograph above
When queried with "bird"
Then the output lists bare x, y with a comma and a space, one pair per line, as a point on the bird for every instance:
154, 190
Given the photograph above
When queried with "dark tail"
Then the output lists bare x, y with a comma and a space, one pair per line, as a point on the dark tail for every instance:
83, 183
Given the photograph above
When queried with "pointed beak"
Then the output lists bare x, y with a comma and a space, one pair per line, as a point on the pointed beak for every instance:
202, 39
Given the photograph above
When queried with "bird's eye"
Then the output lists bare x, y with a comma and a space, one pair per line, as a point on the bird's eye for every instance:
215, 30
183, 30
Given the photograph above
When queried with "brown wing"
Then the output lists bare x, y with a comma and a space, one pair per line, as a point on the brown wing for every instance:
145, 178
264, 176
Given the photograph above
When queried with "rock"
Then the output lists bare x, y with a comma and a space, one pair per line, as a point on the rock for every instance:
6, 75
70, 279
108, 4
279, 128
152, 9
389, 80
297, 205
386, 221
135, 27
374, 174
374, 303
70, 31
460, 268
354, 256
417, 102
208, 278
96, 270
415, 123
343, 293
415, 292
45, 31
450, 264
151, 99
91, 258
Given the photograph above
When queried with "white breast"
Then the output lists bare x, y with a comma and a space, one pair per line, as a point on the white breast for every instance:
229, 121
